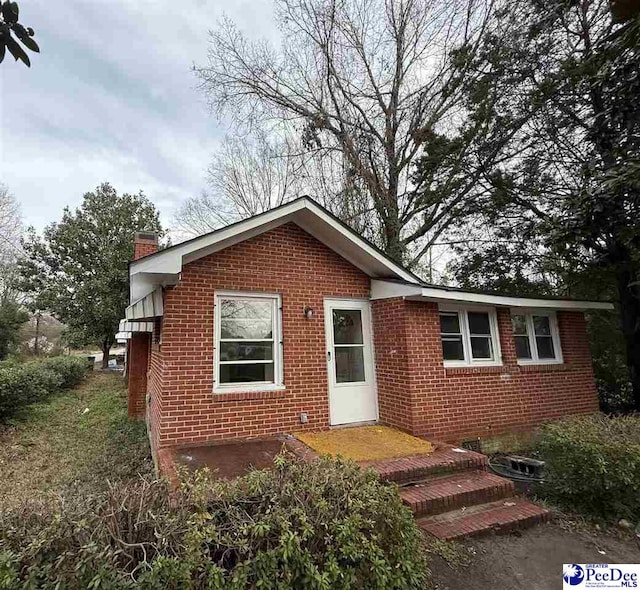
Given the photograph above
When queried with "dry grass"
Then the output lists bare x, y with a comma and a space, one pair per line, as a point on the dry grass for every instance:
57, 444
365, 443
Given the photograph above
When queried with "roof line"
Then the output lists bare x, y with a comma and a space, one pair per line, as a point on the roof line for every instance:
302, 198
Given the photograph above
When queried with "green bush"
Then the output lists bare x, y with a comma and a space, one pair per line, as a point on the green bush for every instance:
23, 384
593, 465
319, 525
72, 369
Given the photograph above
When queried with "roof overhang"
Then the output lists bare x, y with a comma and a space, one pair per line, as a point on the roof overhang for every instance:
164, 267
381, 289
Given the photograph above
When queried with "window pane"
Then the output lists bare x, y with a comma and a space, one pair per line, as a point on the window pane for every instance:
541, 325
449, 323
349, 364
452, 349
523, 348
481, 347
246, 373
246, 351
519, 323
347, 326
479, 323
545, 347
246, 329
246, 309
246, 319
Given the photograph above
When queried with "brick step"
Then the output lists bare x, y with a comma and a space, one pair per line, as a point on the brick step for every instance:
500, 517
445, 493
415, 469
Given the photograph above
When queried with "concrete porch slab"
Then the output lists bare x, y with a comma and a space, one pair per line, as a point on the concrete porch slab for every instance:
231, 459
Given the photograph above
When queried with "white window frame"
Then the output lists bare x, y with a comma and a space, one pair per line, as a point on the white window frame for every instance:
463, 320
533, 345
278, 383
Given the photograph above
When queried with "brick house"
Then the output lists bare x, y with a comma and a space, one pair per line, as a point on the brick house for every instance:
289, 320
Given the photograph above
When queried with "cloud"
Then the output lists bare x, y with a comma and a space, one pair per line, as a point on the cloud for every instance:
112, 98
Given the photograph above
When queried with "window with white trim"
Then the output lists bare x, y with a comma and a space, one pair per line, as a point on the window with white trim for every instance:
536, 337
248, 343
469, 337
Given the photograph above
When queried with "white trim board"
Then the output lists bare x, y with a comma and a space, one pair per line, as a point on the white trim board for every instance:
165, 266
381, 289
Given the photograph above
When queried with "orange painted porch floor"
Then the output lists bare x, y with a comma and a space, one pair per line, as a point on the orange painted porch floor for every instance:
365, 443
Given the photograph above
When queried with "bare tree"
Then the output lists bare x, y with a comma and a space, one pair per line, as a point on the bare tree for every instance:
248, 175
10, 225
380, 82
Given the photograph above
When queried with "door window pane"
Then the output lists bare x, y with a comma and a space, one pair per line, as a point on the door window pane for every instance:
246, 351
349, 363
246, 373
347, 326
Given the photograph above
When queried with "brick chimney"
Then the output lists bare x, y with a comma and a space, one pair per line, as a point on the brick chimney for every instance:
144, 243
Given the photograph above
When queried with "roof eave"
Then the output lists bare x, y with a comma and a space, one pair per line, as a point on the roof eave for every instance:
388, 289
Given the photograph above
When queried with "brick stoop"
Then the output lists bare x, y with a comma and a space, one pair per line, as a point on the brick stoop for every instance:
413, 469
453, 496
448, 492
504, 516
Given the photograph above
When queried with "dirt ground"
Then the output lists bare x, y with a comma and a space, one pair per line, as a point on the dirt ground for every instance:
230, 460
530, 560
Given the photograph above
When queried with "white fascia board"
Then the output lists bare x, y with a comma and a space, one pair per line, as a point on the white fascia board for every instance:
390, 268
505, 301
387, 289
304, 212
171, 260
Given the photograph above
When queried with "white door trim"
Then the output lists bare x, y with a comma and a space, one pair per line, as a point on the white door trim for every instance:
370, 383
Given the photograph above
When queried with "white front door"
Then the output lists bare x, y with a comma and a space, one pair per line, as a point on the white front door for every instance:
352, 390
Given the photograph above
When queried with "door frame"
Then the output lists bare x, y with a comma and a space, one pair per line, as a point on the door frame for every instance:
365, 306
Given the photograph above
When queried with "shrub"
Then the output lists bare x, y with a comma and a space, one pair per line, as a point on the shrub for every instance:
318, 525
23, 384
593, 465
72, 369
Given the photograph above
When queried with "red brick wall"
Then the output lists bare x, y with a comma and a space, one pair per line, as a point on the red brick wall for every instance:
287, 261
142, 247
137, 359
392, 364
454, 404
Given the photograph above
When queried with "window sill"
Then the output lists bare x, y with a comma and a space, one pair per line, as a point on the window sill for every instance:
541, 367
473, 369
248, 393
476, 365
527, 363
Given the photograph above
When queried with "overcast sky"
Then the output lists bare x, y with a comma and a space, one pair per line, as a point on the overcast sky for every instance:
112, 98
